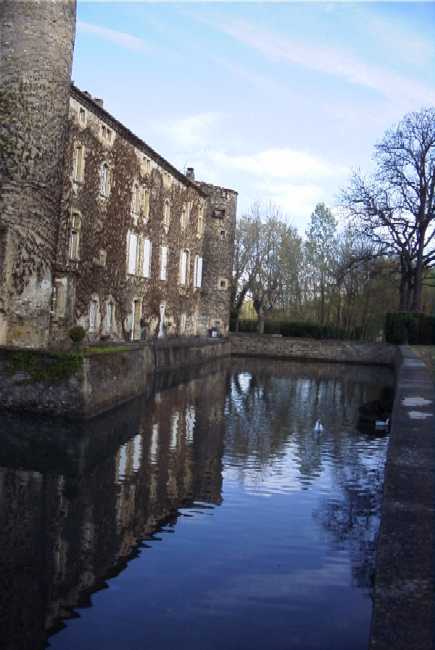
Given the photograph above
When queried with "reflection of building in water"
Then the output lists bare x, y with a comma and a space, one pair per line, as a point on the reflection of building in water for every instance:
61, 536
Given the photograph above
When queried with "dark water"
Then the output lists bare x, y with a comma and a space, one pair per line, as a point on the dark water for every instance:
209, 517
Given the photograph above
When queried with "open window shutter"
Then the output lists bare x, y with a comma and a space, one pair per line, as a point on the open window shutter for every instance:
132, 253
146, 266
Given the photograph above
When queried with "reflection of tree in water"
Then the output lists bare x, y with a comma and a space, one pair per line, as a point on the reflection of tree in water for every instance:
271, 413
353, 514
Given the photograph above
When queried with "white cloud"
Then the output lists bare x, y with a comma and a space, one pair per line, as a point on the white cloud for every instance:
193, 131
278, 163
127, 41
332, 61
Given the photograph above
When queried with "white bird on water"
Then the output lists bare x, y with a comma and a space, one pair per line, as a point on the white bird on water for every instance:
318, 427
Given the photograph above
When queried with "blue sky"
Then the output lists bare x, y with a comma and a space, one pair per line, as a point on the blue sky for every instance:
276, 100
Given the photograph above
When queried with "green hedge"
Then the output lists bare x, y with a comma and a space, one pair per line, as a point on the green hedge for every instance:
297, 329
409, 327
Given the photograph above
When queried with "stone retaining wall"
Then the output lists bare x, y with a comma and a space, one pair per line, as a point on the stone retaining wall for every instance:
41, 382
312, 349
403, 613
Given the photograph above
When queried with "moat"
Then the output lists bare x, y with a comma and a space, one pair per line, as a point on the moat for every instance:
210, 516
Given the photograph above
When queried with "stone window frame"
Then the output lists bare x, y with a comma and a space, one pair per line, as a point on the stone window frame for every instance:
136, 200
94, 322
145, 203
184, 281
79, 162
185, 214
222, 284
82, 113
167, 205
74, 236
109, 326
105, 179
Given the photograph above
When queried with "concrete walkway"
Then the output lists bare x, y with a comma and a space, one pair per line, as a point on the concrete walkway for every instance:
403, 615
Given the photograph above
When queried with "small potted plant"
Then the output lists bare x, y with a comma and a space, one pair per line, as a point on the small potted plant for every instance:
77, 334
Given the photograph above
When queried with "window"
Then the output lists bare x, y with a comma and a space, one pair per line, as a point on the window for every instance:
219, 213
110, 316
74, 237
163, 262
146, 259
93, 312
183, 275
197, 272
222, 283
78, 163
183, 322
185, 214
82, 116
131, 253
106, 133
222, 234
104, 179
146, 164
135, 200
200, 225
166, 214
145, 203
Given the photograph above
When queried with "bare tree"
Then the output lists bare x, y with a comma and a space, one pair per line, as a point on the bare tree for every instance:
396, 207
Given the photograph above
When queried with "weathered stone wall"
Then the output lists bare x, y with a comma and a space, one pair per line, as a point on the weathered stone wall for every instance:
36, 46
69, 384
311, 349
403, 615
218, 257
100, 272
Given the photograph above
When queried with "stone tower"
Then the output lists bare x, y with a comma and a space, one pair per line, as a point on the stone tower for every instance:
219, 234
36, 48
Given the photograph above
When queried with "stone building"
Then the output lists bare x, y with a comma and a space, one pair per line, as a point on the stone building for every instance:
96, 228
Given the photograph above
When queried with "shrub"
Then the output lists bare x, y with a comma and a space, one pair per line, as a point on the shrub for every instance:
297, 329
414, 328
77, 334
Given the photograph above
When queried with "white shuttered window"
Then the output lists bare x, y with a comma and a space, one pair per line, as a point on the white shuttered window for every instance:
146, 260
163, 262
198, 272
132, 253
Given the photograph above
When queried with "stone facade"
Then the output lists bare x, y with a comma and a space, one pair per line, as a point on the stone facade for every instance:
36, 47
96, 228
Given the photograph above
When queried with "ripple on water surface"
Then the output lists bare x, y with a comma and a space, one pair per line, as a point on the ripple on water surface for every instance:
217, 518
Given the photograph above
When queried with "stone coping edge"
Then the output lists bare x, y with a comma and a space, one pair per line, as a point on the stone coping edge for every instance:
403, 609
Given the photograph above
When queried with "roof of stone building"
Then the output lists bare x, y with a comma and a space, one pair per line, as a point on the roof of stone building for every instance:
92, 103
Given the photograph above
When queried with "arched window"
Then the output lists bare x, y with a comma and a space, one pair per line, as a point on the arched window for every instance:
78, 162
185, 214
166, 214
184, 268
135, 199
74, 237
110, 316
145, 203
93, 315
104, 179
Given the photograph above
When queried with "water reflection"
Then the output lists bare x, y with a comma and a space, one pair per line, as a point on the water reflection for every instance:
294, 532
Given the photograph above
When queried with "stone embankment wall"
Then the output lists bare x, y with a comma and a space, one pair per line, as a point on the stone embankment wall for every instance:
403, 612
76, 385
312, 350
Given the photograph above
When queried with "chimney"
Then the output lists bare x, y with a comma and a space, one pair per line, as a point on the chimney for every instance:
190, 173
99, 101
